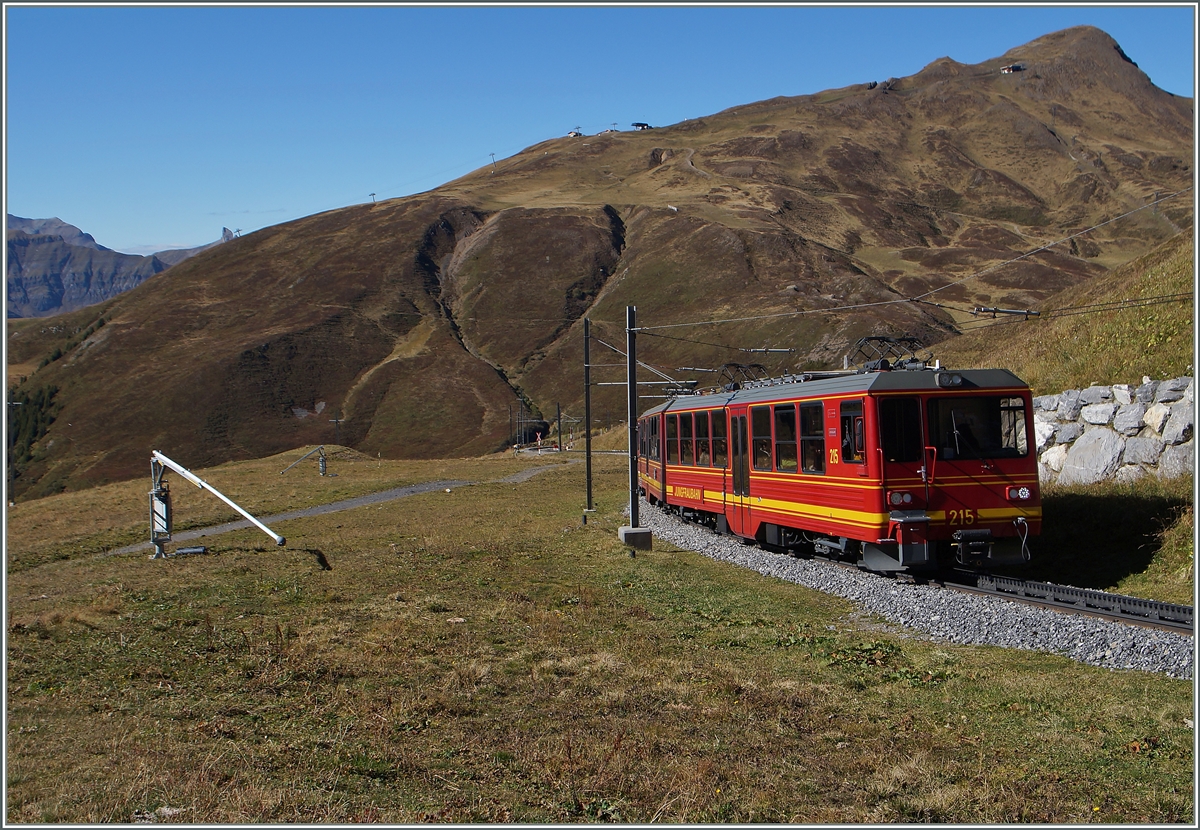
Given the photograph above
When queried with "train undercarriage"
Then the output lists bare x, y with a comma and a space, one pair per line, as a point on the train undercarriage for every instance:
977, 549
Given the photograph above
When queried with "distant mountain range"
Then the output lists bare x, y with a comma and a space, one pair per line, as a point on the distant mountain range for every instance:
54, 267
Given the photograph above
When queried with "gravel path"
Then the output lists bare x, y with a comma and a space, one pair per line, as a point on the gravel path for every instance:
948, 615
334, 507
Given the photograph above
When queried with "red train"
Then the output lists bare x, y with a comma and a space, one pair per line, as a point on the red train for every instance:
906, 467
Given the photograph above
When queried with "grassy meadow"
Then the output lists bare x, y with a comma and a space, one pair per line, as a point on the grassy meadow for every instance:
485, 655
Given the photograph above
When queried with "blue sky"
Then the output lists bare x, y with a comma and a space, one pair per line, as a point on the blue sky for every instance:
152, 127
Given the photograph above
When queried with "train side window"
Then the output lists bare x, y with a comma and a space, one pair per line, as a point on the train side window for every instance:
812, 437
685, 439
785, 438
900, 429
760, 428
720, 445
852, 432
672, 439
703, 442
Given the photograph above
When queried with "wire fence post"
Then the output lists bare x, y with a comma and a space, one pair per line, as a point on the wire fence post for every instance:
587, 407
631, 358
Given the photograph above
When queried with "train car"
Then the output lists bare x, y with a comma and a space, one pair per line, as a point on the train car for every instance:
906, 467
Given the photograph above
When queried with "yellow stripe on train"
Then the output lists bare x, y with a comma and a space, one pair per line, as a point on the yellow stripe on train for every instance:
858, 518
801, 510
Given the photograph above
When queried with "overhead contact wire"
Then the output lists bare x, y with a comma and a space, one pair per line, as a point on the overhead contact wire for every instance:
920, 298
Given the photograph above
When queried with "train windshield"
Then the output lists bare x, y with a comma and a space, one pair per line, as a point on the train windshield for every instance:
989, 426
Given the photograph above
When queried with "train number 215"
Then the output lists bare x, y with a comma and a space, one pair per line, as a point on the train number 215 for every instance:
962, 517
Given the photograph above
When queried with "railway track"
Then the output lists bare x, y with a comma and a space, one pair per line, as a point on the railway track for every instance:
1078, 626
1163, 616
1146, 613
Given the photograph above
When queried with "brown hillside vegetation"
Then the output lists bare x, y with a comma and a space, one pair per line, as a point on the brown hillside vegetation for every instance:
1131, 323
421, 322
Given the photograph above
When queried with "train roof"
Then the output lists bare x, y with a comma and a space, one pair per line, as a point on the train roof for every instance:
832, 384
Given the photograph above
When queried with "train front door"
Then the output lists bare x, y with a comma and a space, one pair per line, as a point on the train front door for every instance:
902, 442
909, 467
737, 505
942, 450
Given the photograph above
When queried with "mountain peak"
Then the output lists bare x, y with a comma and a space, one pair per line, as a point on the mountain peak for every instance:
54, 227
1084, 53
801, 222
54, 267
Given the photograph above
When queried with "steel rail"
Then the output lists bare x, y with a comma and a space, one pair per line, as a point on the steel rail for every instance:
1137, 611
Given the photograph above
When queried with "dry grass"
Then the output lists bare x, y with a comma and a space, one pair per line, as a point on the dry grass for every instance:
1171, 575
483, 656
116, 515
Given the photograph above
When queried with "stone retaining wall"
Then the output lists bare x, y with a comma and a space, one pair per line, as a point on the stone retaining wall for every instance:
1115, 433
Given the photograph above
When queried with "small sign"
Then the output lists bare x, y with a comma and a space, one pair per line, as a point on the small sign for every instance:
160, 513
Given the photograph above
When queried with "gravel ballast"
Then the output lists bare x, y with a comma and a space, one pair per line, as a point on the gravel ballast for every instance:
945, 614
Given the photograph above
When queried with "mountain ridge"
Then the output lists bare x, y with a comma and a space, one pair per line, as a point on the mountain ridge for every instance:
421, 323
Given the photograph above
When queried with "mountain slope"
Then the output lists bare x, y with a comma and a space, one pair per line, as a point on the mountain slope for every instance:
1134, 321
421, 323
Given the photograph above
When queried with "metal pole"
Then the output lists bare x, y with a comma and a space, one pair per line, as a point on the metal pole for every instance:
320, 449
155, 455
587, 406
631, 359
558, 406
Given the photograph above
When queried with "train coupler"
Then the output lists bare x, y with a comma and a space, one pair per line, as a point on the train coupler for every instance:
972, 547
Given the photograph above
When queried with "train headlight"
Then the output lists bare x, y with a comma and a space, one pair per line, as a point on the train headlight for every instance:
1019, 493
945, 379
897, 498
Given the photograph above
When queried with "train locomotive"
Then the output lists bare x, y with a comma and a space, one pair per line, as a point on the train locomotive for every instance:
900, 466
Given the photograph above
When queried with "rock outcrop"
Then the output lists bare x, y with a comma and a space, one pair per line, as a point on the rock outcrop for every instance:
1118, 433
